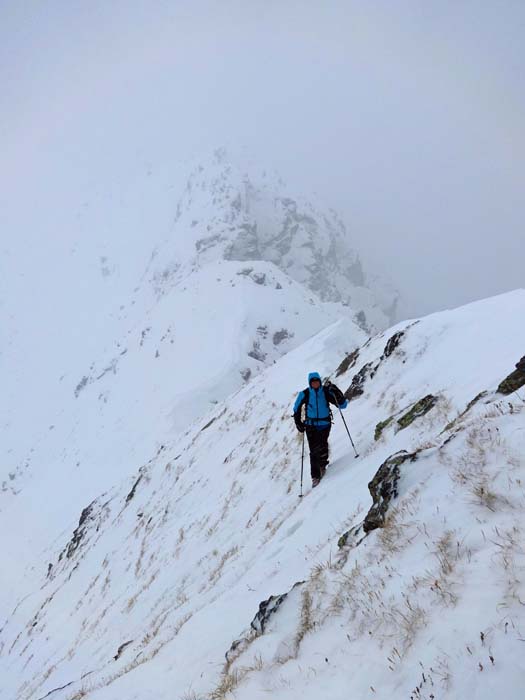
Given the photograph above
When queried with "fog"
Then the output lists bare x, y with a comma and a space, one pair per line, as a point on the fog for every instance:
407, 117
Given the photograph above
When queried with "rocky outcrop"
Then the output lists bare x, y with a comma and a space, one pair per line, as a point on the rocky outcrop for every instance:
243, 214
78, 534
381, 426
368, 371
356, 388
515, 380
347, 363
383, 489
280, 336
131, 494
267, 608
420, 408
392, 344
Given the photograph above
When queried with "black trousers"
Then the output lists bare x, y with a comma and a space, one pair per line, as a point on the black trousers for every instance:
318, 444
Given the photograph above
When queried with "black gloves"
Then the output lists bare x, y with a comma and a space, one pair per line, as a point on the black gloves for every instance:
335, 392
298, 422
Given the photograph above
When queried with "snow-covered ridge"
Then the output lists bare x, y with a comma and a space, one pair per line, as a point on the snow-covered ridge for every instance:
145, 592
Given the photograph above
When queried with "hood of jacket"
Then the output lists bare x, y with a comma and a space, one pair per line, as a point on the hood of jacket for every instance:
314, 375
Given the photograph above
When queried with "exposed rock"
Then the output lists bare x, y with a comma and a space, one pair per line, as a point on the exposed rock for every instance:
258, 625
205, 427
392, 344
80, 531
515, 380
266, 610
55, 690
246, 373
236, 649
281, 335
347, 363
81, 385
351, 535
121, 649
356, 387
259, 277
369, 370
381, 426
419, 409
383, 488
134, 488
250, 220
256, 353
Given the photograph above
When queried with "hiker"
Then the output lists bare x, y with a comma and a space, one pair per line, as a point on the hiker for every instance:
318, 420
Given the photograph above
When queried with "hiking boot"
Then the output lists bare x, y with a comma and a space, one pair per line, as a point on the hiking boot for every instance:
315, 482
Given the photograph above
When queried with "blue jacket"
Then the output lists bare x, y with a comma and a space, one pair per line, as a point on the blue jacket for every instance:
317, 409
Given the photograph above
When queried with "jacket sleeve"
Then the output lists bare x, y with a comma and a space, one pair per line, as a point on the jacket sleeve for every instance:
336, 396
298, 401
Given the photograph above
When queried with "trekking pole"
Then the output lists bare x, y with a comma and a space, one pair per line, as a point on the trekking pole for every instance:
302, 464
356, 455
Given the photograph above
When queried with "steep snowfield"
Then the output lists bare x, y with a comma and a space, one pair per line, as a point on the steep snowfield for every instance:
143, 597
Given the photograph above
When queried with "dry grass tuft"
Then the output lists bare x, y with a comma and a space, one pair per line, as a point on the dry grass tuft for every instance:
227, 684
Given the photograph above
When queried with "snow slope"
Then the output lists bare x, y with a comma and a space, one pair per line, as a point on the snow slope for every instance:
196, 344
233, 285
142, 596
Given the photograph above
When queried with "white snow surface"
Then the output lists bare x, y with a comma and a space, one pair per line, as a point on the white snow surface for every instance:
177, 356
177, 547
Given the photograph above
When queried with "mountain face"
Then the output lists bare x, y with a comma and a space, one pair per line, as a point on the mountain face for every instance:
238, 214
196, 572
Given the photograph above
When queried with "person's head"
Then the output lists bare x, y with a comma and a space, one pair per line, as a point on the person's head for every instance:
314, 380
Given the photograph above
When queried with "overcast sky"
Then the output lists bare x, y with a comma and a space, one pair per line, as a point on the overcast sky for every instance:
406, 116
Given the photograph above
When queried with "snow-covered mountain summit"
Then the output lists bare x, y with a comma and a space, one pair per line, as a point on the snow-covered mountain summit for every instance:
247, 214
402, 575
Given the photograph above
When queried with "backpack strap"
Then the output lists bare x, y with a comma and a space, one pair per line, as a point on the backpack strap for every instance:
327, 397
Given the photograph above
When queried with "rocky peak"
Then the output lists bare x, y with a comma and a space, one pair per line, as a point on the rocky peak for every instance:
248, 214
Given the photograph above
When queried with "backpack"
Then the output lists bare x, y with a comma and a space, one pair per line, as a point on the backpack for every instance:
333, 395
